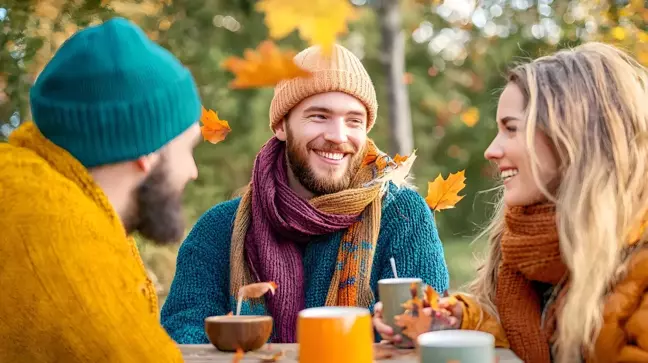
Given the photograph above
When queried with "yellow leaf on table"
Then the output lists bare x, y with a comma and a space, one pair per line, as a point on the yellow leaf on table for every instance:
264, 67
443, 193
214, 129
319, 22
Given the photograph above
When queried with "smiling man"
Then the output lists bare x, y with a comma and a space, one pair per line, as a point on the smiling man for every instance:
320, 217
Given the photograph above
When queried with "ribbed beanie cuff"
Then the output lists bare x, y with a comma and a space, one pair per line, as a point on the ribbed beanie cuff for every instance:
98, 134
110, 94
342, 71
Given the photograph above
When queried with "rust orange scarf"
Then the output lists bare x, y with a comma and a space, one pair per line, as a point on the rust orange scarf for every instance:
530, 258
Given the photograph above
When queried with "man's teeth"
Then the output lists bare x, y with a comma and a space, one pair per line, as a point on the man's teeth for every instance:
332, 156
509, 173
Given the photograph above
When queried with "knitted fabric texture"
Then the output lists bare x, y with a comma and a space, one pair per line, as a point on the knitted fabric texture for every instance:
273, 220
342, 71
75, 287
110, 94
530, 254
201, 285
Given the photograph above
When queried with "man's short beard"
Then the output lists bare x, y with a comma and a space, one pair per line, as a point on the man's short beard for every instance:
157, 209
298, 163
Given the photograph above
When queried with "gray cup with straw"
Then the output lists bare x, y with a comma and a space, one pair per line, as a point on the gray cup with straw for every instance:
393, 293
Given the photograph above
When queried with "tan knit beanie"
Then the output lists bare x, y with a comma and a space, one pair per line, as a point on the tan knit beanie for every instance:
340, 72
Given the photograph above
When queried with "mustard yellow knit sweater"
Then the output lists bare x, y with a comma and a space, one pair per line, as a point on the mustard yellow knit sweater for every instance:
73, 286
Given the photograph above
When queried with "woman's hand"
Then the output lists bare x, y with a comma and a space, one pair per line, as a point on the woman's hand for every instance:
455, 308
385, 331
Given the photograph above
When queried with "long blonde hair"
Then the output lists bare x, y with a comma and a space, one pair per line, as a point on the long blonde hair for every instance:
592, 102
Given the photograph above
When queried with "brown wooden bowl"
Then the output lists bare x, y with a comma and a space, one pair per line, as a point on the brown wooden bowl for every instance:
248, 332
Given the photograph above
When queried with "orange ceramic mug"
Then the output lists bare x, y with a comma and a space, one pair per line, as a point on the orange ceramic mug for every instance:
337, 334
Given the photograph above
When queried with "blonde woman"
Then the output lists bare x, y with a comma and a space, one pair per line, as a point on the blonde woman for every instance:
565, 278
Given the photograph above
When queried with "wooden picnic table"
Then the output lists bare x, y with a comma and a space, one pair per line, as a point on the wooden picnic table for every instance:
207, 353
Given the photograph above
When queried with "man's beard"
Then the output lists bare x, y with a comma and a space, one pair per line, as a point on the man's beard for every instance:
156, 211
298, 163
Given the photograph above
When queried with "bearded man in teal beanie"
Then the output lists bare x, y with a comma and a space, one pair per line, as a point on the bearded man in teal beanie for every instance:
109, 153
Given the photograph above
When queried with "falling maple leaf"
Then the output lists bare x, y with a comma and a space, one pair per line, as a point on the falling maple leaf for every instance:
214, 129
256, 290
319, 22
443, 193
264, 67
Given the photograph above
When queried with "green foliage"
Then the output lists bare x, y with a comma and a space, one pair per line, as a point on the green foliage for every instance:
203, 33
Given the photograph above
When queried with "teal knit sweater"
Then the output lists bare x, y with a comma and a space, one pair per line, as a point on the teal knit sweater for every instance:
201, 284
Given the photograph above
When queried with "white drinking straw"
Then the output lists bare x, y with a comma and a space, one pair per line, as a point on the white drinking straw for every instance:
393, 265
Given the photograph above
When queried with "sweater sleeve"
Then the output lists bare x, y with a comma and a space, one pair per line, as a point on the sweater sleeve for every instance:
73, 293
200, 287
414, 240
476, 318
623, 336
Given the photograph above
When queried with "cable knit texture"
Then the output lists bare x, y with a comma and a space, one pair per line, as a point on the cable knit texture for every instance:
201, 286
530, 253
342, 71
74, 286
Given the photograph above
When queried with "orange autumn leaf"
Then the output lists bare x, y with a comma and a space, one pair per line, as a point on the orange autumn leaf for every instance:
264, 67
443, 193
432, 297
214, 129
238, 355
415, 321
370, 157
401, 174
398, 159
253, 291
271, 357
319, 22
381, 163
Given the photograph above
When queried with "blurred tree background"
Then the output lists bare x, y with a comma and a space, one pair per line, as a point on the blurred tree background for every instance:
455, 55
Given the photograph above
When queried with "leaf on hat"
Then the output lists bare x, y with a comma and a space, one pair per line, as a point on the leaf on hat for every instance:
264, 67
319, 22
444, 193
214, 129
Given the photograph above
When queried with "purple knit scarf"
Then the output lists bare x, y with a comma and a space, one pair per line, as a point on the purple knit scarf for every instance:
281, 222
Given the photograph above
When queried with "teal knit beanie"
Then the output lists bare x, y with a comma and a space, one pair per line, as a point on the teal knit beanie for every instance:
110, 94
